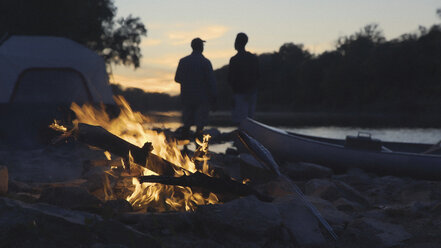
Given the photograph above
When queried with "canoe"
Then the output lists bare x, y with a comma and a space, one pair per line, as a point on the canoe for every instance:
383, 158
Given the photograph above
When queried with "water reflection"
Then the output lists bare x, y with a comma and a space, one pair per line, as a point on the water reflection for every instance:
217, 148
413, 135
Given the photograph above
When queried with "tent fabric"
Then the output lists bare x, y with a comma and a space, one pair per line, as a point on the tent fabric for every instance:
51, 69
49, 89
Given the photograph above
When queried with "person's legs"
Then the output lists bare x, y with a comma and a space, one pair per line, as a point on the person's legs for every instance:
240, 109
201, 118
188, 119
252, 100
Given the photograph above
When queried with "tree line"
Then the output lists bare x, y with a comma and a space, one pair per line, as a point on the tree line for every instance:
364, 73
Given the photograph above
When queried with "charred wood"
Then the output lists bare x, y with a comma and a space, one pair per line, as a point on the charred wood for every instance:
212, 184
101, 138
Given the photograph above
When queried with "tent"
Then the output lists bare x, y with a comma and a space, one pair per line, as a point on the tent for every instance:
40, 76
45, 69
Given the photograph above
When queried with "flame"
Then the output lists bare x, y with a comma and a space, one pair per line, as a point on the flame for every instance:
246, 181
108, 155
56, 126
136, 129
201, 153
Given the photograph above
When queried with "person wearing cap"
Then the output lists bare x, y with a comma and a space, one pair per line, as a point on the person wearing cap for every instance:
198, 88
243, 75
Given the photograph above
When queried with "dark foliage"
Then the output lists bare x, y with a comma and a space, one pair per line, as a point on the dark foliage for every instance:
142, 101
91, 23
364, 73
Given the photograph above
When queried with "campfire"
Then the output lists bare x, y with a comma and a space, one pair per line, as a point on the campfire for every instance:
122, 183
152, 174
137, 182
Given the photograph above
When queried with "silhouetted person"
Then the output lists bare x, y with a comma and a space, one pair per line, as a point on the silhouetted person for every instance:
242, 76
198, 88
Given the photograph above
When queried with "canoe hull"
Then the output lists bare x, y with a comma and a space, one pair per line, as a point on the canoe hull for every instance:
290, 147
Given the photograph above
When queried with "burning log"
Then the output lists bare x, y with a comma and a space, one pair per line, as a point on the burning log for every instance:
212, 184
168, 172
99, 137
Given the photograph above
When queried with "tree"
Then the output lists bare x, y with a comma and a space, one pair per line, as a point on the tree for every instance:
360, 43
91, 23
290, 52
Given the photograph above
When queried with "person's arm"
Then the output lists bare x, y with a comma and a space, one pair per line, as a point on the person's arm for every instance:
257, 67
179, 73
211, 79
231, 72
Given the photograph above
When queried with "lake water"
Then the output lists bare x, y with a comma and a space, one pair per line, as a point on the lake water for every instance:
413, 135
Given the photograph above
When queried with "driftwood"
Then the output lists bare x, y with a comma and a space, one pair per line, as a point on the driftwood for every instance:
212, 184
99, 137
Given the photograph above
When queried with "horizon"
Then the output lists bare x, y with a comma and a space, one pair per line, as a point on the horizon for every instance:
317, 25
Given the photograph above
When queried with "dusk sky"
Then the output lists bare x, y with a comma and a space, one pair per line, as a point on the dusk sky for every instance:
317, 24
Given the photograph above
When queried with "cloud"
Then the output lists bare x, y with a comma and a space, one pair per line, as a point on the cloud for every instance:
168, 60
206, 33
150, 42
171, 60
156, 73
219, 54
160, 83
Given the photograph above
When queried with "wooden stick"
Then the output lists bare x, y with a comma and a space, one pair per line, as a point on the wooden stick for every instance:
99, 137
212, 184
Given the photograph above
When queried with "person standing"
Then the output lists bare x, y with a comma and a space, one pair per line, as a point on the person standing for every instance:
198, 88
243, 75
